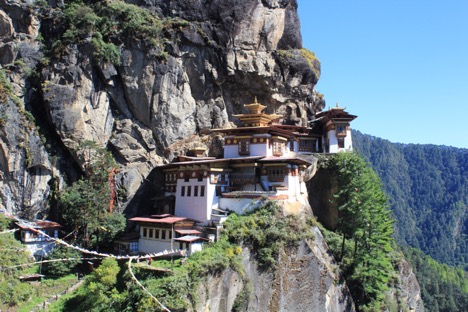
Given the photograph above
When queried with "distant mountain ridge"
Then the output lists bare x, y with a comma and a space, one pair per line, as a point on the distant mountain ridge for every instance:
428, 190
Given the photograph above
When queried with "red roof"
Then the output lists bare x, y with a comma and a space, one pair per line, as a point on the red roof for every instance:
187, 231
38, 224
166, 220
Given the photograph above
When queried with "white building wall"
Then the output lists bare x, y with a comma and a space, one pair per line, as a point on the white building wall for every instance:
348, 143
256, 149
195, 247
212, 201
333, 142
146, 245
194, 207
231, 151
260, 149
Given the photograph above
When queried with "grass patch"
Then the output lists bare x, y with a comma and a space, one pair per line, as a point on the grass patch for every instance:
47, 288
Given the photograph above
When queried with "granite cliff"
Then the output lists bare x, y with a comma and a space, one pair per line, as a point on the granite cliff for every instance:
215, 57
63, 82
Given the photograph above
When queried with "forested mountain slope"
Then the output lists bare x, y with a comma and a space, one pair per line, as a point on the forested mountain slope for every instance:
428, 190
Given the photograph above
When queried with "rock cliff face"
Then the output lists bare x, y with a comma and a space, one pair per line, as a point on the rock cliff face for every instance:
408, 291
224, 54
305, 281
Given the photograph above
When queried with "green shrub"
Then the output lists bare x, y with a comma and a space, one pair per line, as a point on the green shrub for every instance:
61, 268
12, 291
107, 52
266, 230
106, 24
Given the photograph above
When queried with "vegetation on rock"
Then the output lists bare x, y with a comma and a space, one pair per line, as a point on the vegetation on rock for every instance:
107, 25
61, 268
266, 230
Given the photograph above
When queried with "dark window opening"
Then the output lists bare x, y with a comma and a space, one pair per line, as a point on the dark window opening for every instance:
244, 147
340, 142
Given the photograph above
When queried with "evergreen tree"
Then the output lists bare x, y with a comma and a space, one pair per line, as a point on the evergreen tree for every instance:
85, 205
366, 225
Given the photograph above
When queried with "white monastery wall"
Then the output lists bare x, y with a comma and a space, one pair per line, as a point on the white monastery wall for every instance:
260, 149
348, 141
195, 207
147, 245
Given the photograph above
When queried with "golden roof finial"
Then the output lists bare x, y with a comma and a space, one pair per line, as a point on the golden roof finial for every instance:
255, 100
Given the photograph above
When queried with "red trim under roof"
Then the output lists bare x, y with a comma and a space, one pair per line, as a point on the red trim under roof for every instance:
167, 220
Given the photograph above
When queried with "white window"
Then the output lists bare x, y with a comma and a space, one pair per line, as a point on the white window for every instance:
278, 148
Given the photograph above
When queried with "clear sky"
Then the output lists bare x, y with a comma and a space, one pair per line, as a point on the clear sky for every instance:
400, 65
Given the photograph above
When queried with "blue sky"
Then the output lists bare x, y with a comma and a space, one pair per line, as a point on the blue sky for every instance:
400, 65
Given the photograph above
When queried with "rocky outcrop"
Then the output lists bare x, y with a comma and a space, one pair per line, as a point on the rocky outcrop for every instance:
219, 56
407, 291
306, 280
26, 171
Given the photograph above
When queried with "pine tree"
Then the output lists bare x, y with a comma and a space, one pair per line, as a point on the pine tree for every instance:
365, 224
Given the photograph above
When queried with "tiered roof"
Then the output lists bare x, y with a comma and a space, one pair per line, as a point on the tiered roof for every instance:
336, 114
256, 117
